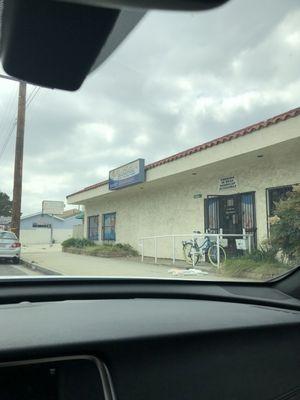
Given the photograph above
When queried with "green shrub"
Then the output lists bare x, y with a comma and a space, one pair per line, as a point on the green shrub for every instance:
256, 255
79, 243
285, 225
243, 267
262, 261
266, 253
126, 248
90, 248
269, 251
69, 242
86, 243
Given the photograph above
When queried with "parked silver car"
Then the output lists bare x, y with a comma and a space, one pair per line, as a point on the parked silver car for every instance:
10, 247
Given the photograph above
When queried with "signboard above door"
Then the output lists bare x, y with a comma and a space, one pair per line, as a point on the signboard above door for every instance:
228, 182
127, 175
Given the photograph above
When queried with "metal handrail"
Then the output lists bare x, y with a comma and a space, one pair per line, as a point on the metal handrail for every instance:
198, 234
218, 236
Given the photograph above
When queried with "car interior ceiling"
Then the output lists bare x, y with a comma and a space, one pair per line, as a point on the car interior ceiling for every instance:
128, 338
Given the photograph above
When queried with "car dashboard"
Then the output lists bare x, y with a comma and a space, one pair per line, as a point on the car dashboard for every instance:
159, 345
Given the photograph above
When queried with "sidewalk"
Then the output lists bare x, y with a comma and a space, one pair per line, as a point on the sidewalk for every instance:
57, 262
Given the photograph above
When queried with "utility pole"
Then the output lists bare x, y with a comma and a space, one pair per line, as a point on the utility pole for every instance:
18, 172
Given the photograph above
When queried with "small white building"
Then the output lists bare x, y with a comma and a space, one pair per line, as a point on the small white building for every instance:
39, 228
229, 183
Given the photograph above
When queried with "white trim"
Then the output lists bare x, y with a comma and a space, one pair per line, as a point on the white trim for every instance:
39, 213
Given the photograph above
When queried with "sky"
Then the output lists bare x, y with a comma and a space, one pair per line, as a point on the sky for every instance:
179, 79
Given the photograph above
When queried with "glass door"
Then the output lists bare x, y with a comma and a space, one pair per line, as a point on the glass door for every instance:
230, 214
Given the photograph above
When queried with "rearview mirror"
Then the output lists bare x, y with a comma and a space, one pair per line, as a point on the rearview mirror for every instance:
156, 4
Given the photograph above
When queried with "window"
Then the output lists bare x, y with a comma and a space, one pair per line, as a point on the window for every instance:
275, 195
93, 224
109, 226
211, 211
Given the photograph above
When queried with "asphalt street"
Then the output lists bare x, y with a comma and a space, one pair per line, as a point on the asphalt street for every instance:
9, 269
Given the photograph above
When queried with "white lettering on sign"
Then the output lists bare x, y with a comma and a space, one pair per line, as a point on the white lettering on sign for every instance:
126, 175
125, 171
228, 182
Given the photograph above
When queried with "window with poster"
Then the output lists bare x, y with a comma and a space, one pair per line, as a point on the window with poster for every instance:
109, 227
274, 195
93, 224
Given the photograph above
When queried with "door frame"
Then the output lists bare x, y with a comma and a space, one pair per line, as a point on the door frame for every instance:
206, 215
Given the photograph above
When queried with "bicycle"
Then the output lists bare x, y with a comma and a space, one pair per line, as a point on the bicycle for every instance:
193, 250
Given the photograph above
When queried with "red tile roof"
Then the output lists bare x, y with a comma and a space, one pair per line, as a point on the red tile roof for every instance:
226, 138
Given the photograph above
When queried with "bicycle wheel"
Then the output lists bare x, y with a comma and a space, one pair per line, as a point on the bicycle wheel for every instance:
213, 255
188, 253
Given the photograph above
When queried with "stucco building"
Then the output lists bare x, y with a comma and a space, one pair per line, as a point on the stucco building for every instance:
229, 183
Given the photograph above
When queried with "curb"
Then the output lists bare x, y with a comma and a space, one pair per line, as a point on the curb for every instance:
36, 267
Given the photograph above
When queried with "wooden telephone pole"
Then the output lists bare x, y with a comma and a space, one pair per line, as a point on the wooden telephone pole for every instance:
18, 172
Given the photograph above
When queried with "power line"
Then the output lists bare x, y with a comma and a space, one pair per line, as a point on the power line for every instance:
8, 113
30, 95
30, 98
8, 138
9, 122
10, 78
9, 135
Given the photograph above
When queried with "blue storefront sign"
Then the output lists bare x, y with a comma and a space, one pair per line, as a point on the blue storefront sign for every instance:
127, 175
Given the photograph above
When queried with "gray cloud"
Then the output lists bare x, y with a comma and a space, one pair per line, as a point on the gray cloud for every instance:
179, 80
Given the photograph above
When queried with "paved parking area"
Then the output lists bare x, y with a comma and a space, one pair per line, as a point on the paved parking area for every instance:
55, 262
60, 263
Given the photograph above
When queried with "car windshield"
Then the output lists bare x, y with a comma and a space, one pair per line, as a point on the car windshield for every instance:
178, 158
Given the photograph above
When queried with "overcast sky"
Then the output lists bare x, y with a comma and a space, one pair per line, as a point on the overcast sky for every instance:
178, 81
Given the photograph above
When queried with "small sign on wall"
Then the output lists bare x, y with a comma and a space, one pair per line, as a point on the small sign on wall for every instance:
197, 196
228, 182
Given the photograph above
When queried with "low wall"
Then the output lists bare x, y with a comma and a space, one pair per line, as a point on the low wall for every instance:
43, 235
78, 231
